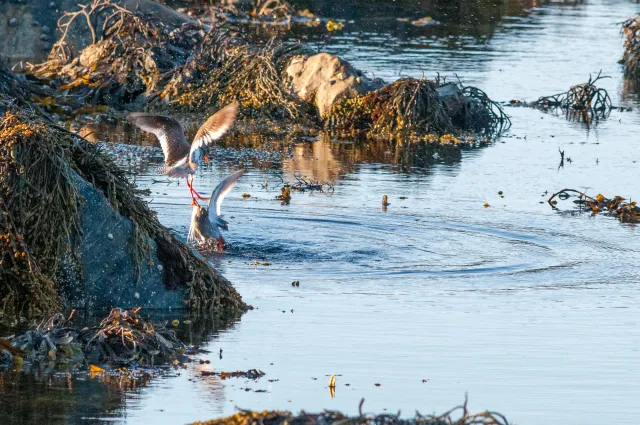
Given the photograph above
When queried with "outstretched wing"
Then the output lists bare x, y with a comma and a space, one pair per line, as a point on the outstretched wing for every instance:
214, 127
221, 191
168, 131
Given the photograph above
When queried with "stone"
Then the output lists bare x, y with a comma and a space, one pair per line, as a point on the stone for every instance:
13, 22
324, 79
101, 272
46, 29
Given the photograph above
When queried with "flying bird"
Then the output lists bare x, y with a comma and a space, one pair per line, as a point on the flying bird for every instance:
182, 159
206, 222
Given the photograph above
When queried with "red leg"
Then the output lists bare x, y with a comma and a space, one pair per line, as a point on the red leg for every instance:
194, 192
191, 191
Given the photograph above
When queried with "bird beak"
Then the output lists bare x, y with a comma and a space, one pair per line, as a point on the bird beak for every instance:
206, 159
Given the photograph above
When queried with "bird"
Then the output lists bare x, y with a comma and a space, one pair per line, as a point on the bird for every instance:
182, 159
206, 222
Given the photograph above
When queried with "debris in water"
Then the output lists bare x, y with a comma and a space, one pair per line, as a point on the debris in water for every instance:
122, 338
619, 207
423, 22
249, 374
581, 102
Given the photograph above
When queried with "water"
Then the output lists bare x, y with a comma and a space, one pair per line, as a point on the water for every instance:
531, 312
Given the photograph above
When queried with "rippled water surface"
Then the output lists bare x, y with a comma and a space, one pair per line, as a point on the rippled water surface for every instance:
531, 312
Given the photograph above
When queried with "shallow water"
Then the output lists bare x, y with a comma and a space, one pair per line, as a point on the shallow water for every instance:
531, 312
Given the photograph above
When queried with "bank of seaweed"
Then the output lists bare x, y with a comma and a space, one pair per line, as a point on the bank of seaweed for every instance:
251, 75
135, 61
40, 208
457, 416
418, 110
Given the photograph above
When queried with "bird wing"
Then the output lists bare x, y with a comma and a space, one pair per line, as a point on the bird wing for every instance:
214, 127
168, 131
221, 191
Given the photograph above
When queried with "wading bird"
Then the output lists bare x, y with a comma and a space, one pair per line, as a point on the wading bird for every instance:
182, 159
206, 222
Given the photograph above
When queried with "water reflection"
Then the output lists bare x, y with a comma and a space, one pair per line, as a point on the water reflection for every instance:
53, 394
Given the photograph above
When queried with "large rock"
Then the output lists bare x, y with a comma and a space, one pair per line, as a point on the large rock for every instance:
324, 79
104, 273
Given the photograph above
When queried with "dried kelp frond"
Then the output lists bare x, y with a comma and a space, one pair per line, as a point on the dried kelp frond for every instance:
36, 190
579, 100
631, 57
123, 338
253, 77
131, 53
328, 417
619, 207
417, 110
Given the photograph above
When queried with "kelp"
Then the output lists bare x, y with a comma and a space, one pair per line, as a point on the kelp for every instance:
618, 207
581, 102
37, 162
414, 110
131, 53
251, 75
457, 416
123, 338
631, 56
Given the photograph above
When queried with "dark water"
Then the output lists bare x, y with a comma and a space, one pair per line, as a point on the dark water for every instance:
532, 312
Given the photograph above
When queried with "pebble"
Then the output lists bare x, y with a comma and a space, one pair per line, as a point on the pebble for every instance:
46, 29
110, 236
13, 22
44, 37
160, 267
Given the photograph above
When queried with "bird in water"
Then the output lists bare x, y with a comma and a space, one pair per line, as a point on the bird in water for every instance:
206, 222
182, 159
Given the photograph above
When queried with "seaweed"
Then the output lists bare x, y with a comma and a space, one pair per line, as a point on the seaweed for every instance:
251, 75
246, 417
122, 338
618, 207
37, 161
415, 110
631, 56
131, 53
581, 102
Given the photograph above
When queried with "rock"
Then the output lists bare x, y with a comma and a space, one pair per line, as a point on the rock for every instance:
323, 79
46, 29
44, 37
13, 22
107, 275
452, 97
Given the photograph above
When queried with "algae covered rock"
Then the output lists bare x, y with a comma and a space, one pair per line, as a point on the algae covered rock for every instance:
323, 79
75, 233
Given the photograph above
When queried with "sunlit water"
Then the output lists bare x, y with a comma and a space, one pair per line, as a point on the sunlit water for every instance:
529, 311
